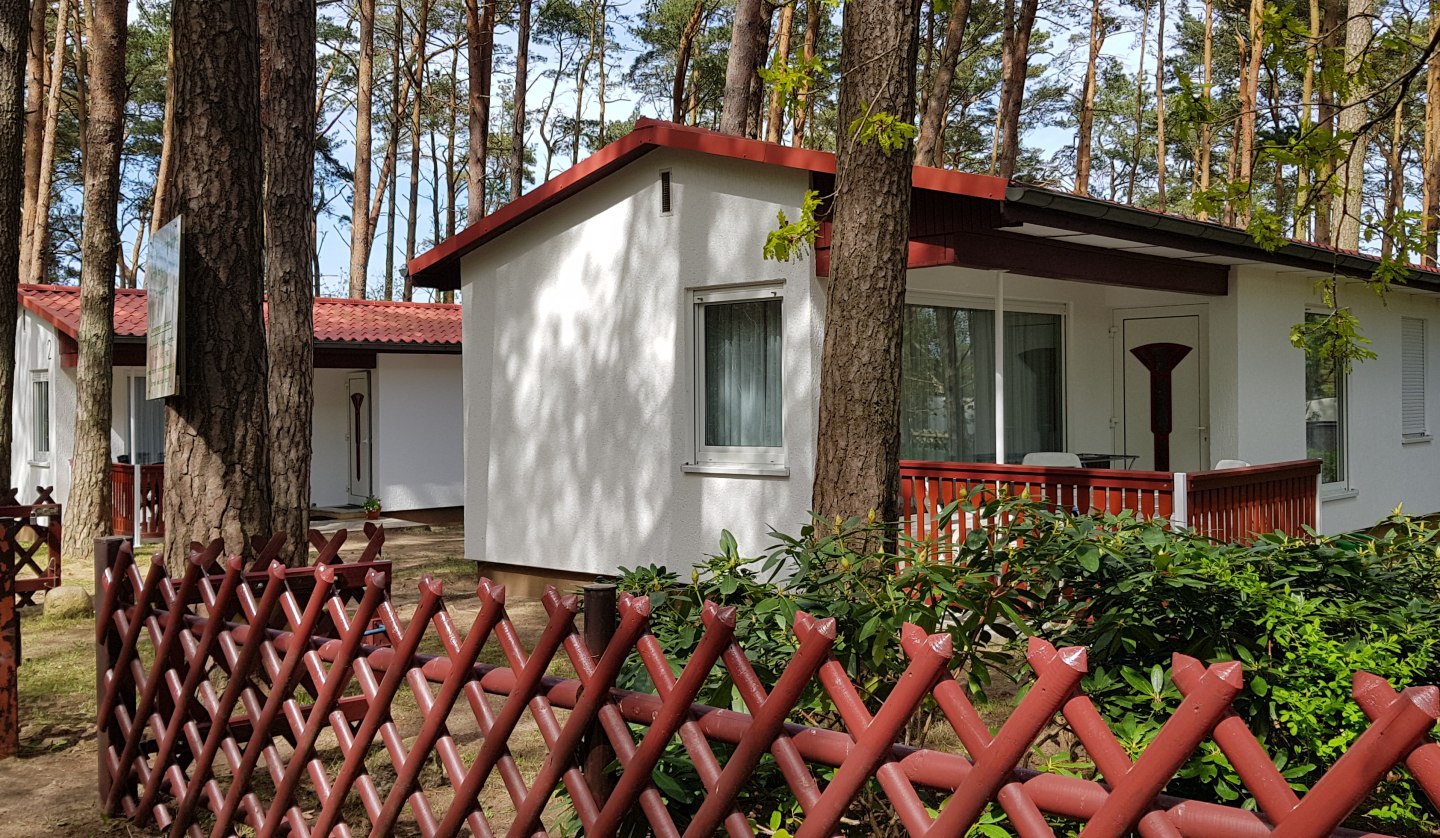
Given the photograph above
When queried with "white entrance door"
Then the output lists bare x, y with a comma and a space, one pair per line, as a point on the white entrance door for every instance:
357, 437
1159, 334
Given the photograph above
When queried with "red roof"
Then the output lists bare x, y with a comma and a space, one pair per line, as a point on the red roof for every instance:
337, 321
439, 267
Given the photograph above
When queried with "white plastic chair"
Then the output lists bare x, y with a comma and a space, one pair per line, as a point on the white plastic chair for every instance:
1224, 464
1059, 459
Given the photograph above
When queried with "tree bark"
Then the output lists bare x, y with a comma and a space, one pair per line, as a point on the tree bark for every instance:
1359, 30
361, 233
14, 31
422, 41
39, 221
1207, 130
937, 101
217, 476
1301, 227
857, 466
1139, 102
1160, 108
35, 69
682, 61
88, 511
1017, 64
1430, 210
287, 85
746, 53
165, 171
480, 54
1395, 186
1250, 100
775, 114
517, 130
806, 106
1085, 137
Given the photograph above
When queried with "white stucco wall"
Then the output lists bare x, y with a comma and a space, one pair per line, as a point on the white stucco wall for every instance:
37, 348
418, 431
1266, 408
578, 362
330, 454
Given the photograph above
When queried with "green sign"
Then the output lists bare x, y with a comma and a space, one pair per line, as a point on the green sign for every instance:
163, 334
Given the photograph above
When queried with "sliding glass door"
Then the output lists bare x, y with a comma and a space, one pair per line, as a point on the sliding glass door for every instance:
948, 398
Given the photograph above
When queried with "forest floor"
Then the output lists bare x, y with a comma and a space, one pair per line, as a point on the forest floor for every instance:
51, 788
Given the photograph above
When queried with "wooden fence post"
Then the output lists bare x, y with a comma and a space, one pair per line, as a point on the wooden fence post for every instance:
107, 649
9, 656
601, 618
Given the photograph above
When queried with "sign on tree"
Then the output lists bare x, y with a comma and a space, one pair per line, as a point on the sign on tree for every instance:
162, 286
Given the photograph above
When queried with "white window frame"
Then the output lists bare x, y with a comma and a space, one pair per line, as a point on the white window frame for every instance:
40, 430
1341, 488
732, 459
1410, 434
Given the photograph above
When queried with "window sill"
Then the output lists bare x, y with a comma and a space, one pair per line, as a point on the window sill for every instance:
1416, 440
735, 469
1337, 493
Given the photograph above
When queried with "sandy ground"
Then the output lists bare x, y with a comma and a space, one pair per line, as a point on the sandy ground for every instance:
51, 788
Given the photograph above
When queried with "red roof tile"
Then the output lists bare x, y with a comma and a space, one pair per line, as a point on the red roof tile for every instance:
341, 321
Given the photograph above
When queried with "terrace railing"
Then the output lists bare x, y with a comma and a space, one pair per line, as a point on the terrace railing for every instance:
218, 694
1228, 505
152, 500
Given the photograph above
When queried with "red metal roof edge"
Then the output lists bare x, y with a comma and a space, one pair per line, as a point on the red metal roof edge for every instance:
650, 134
28, 300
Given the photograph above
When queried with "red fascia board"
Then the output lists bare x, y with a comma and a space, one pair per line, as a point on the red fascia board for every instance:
648, 135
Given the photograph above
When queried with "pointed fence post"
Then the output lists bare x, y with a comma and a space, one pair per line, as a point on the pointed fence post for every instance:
107, 649
9, 655
601, 618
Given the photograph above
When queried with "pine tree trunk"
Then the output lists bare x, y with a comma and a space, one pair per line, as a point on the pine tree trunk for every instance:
14, 29
480, 53
422, 40
1301, 228
38, 237
1395, 185
806, 106
217, 476
937, 101
1250, 101
35, 69
1086, 135
88, 510
287, 83
1207, 129
775, 114
392, 151
165, 171
1431, 201
682, 61
517, 129
1160, 108
1358, 33
1327, 114
743, 62
755, 103
451, 132
1139, 103
361, 234
1013, 96
857, 465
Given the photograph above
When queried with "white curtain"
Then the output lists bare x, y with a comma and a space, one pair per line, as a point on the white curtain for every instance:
149, 426
1034, 413
947, 398
743, 394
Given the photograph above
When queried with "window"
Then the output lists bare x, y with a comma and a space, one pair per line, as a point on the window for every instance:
1412, 378
149, 440
1325, 412
740, 400
947, 399
40, 416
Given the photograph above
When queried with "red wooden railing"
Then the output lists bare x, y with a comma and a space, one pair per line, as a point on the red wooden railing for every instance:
29, 564
1236, 504
1228, 505
220, 691
152, 500
926, 488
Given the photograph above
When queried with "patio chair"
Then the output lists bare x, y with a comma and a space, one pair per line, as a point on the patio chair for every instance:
1224, 464
1060, 459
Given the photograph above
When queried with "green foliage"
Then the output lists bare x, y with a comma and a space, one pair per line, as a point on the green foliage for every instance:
791, 239
1333, 337
885, 129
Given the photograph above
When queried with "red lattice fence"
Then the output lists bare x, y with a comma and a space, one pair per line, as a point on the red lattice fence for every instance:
231, 702
29, 564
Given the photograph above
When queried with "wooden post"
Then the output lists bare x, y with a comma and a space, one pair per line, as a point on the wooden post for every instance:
107, 648
601, 618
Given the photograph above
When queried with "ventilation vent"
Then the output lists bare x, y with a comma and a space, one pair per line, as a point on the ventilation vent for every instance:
665, 192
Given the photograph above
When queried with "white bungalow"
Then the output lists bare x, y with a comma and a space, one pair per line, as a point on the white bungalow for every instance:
387, 404
639, 377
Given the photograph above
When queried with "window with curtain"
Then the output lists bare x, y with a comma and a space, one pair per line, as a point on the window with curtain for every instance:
948, 394
149, 426
40, 416
741, 397
1325, 412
